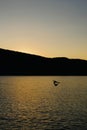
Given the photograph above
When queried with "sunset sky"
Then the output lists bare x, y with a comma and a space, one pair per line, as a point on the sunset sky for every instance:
51, 28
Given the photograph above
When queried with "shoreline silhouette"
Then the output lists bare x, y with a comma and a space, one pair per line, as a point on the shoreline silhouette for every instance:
18, 63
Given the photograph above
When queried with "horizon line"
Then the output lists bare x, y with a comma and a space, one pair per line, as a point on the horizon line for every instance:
40, 55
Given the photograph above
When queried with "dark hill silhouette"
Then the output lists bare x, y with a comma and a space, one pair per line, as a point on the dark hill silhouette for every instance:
18, 63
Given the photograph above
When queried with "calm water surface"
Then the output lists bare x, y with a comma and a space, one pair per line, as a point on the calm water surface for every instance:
34, 103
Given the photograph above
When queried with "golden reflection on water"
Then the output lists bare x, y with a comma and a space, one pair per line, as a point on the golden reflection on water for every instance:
34, 103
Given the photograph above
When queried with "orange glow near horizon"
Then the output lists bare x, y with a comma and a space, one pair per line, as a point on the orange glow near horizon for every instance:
48, 28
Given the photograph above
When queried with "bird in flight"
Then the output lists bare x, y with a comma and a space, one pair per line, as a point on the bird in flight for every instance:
55, 82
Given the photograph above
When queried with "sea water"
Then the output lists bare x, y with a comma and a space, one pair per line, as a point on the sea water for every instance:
34, 103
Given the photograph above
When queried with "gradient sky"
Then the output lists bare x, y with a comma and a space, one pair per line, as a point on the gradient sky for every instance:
51, 28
